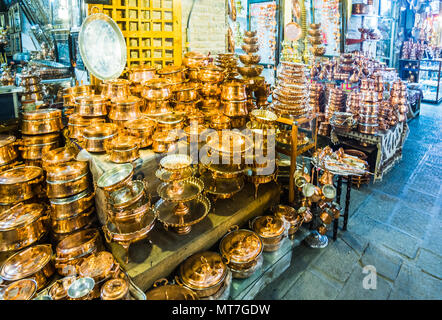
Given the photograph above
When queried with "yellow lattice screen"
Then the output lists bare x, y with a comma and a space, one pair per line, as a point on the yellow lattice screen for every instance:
152, 29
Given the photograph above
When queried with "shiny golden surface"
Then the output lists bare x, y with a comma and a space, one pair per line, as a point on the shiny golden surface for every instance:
268, 226
115, 289
23, 289
98, 266
241, 246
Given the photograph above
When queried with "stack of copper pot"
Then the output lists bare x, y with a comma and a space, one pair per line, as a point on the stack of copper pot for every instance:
336, 102
115, 89
187, 99
346, 67
175, 74
263, 126
96, 138
291, 96
91, 108
315, 40
317, 97
228, 62
353, 104
158, 94
69, 192
251, 70
166, 135
234, 102
138, 75
40, 133
193, 61
129, 217
398, 99
369, 108
71, 94
211, 77
125, 109
30, 81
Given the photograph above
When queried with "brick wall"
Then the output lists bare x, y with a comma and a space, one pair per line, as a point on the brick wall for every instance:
208, 25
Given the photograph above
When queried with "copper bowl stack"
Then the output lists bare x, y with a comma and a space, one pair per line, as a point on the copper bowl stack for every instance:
291, 96
368, 115
211, 77
96, 137
315, 39
336, 102
71, 197
398, 99
123, 149
138, 75
234, 102
228, 62
71, 94
41, 133
187, 98
125, 109
130, 217
158, 93
388, 116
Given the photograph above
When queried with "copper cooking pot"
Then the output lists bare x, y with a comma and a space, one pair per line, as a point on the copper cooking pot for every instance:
271, 231
235, 108
142, 129
157, 89
158, 107
96, 136
187, 92
8, 153
233, 91
142, 73
70, 206
58, 156
91, 106
73, 223
195, 60
22, 225
220, 122
163, 142
132, 220
210, 89
115, 289
176, 74
211, 73
32, 263
123, 149
290, 216
125, 109
67, 179
20, 183
116, 89
41, 121
77, 124
79, 90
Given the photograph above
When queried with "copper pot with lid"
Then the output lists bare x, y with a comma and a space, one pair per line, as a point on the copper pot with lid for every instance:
41, 121
33, 263
73, 223
271, 231
204, 273
8, 153
187, 92
95, 137
141, 73
123, 149
99, 266
235, 108
58, 156
116, 178
22, 225
163, 290
20, 183
290, 216
77, 124
33, 147
241, 249
115, 289
116, 89
234, 90
23, 289
125, 109
67, 179
142, 129
70, 206
91, 106
157, 89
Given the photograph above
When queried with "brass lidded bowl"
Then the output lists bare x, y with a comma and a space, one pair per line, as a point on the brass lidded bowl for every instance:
97, 135
241, 249
116, 177
204, 273
124, 109
116, 88
20, 183
123, 149
34, 263
115, 289
23, 289
271, 230
77, 124
22, 225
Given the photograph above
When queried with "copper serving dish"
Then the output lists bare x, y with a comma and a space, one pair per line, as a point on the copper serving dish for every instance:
33, 147
211, 73
157, 89
22, 225
116, 89
235, 108
20, 183
116, 177
41, 121
204, 273
187, 92
271, 231
91, 106
142, 73
176, 74
8, 153
23, 289
58, 156
95, 137
70, 206
291, 217
73, 223
125, 109
162, 290
141, 129
368, 128
115, 289
123, 149
77, 124
241, 249
67, 179
33, 263
72, 250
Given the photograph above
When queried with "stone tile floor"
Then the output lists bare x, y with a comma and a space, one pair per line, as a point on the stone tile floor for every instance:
394, 225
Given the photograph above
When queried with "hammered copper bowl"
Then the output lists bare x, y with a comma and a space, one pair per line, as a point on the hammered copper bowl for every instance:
96, 136
251, 71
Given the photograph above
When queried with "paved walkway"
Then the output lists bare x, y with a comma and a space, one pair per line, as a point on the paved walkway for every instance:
395, 226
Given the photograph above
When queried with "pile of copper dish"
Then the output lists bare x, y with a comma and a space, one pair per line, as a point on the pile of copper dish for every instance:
222, 169
291, 96
263, 126
336, 102
315, 39
210, 78
398, 99
129, 216
234, 102
251, 71
369, 107
32, 91
359, 180
193, 61
70, 193
138, 75
228, 62
40, 133
166, 136
158, 94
